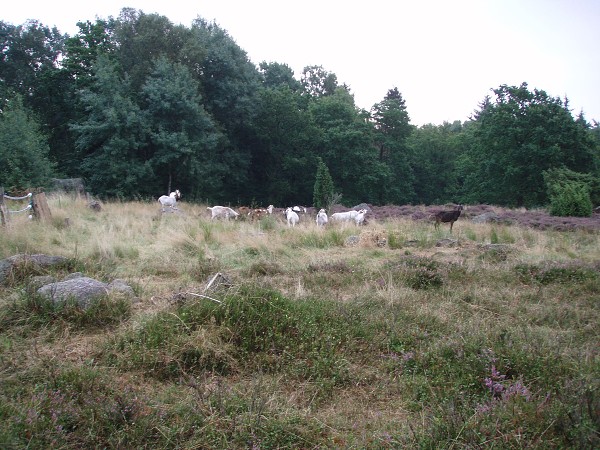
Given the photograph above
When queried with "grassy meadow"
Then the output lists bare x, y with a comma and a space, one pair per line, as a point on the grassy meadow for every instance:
392, 342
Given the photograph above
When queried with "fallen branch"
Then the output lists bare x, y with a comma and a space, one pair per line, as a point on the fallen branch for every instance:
212, 280
204, 296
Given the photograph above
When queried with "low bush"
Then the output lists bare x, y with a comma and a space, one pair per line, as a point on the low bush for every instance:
571, 199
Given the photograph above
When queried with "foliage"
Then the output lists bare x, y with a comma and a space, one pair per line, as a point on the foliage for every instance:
277, 75
556, 178
225, 130
323, 190
318, 82
517, 138
571, 199
555, 273
344, 142
29, 51
283, 149
435, 152
24, 161
392, 129
183, 138
264, 331
112, 137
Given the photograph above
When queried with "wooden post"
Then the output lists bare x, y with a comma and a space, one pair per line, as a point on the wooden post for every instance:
3, 209
41, 210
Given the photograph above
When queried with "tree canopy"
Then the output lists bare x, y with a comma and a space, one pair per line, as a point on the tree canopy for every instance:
139, 106
519, 136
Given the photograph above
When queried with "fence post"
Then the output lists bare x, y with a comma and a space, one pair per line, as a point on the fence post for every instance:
3, 210
40, 207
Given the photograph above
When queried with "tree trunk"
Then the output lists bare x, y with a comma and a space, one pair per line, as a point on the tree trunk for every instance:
41, 210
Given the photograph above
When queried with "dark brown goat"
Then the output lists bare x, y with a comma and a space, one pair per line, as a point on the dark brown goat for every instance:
448, 216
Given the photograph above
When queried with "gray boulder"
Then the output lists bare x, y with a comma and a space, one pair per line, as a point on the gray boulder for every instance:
486, 217
492, 217
39, 260
83, 290
73, 275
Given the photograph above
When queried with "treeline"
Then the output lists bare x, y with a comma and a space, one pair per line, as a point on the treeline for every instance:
138, 106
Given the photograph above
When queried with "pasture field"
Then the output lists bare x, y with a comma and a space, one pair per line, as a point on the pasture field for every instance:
391, 335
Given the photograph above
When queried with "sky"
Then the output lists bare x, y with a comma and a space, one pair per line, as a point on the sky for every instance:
443, 56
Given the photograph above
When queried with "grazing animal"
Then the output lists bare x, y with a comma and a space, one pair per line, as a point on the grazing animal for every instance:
244, 212
224, 212
270, 209
359, 219
169, 200
257, 213
292, 217
448, 216
322, 218
346, 216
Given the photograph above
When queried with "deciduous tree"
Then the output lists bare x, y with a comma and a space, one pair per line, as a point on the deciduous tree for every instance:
182, 135
392, 125
519, 136
24, 161
113, 137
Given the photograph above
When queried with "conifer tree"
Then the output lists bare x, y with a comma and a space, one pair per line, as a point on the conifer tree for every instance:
323, 191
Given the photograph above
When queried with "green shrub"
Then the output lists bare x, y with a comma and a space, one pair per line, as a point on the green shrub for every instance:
424, 278
570, 199
554, 273
253, 328
418, 273
394, 240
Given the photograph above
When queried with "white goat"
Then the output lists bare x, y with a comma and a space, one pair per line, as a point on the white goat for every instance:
360, 217
224, 212
270, 209
169, 200
292, 217
344, 216
321, 218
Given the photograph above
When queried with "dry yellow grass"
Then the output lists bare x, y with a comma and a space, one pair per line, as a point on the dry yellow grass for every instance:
441, 307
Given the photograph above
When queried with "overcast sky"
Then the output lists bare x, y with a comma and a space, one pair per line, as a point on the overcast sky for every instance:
443, 56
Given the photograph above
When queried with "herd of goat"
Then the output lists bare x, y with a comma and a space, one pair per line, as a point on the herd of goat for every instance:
292, 214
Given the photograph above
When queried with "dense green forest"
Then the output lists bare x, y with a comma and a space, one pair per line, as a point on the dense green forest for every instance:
138, 106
